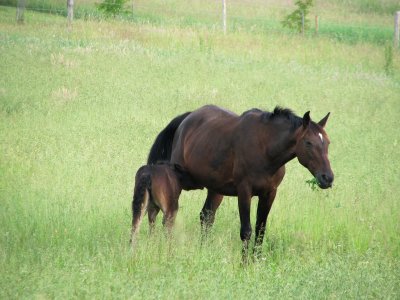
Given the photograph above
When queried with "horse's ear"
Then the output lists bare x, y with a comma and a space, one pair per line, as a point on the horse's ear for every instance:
306, 119
322, 123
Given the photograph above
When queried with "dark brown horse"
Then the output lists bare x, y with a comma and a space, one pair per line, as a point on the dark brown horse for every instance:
157, 187
243, 156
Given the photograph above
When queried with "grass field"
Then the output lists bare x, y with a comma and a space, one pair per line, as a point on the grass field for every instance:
80, 109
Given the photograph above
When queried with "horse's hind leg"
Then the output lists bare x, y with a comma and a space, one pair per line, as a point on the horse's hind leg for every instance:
152, 212
169, 219
207, 214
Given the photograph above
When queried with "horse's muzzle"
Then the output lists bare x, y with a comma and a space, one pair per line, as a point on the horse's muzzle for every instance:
325, 180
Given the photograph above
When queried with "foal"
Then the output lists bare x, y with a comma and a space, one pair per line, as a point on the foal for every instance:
157, 187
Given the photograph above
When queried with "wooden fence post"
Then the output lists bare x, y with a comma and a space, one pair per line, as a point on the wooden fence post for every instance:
20, 11
224, 16
70, 12
396, 29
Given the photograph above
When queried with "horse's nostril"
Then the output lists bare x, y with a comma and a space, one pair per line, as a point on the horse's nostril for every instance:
326, 178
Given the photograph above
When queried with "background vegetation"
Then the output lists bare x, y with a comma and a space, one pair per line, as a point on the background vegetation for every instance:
80, 108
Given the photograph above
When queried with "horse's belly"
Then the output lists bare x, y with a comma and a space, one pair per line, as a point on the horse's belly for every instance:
226, 190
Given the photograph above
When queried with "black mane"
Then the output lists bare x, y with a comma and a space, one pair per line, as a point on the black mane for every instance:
284, 113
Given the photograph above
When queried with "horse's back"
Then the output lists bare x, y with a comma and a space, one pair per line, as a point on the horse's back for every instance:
203, 144
208, 115
143, 177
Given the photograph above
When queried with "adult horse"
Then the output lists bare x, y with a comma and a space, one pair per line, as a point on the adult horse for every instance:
243, 156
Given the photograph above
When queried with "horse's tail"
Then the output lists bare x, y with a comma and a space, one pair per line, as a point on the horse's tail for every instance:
140, 201
162, 147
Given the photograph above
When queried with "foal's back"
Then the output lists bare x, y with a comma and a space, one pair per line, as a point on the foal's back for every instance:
165, 186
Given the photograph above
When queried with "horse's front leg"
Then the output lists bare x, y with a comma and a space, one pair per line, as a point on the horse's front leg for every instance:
244, 202
264, 206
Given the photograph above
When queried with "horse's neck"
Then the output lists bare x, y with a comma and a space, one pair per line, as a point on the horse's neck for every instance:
283, 149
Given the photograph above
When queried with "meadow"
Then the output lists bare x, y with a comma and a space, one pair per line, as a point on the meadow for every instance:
80, 109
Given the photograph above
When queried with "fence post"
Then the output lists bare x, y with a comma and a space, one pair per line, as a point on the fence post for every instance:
224, 16
70, 12
396, 28
20, 11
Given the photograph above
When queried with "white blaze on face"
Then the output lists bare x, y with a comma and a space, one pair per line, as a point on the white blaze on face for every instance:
321, 137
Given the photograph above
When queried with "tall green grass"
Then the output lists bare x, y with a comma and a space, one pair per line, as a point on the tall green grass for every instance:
80, 109
257, 17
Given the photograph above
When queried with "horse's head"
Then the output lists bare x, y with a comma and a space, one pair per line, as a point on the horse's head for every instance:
312, 150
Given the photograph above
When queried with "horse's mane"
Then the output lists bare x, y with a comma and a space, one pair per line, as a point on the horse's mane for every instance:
288, 114
283, 113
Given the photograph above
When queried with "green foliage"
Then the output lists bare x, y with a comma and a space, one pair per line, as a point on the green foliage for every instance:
356, 34
295, 20
312, 183
9, 3
112, 7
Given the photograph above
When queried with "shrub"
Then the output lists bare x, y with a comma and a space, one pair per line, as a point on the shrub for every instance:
295, 19
112, 7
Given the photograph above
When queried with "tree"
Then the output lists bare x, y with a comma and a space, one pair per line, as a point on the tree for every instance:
297, 20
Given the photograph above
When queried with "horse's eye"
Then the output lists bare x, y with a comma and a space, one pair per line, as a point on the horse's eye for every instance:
308, 143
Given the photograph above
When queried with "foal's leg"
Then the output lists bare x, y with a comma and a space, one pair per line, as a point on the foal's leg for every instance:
207, 214
168, 222
170, 209
244, 202
169, 219
152, 212
264, 206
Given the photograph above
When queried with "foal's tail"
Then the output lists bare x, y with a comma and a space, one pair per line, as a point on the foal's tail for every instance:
162, 147
140, 201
